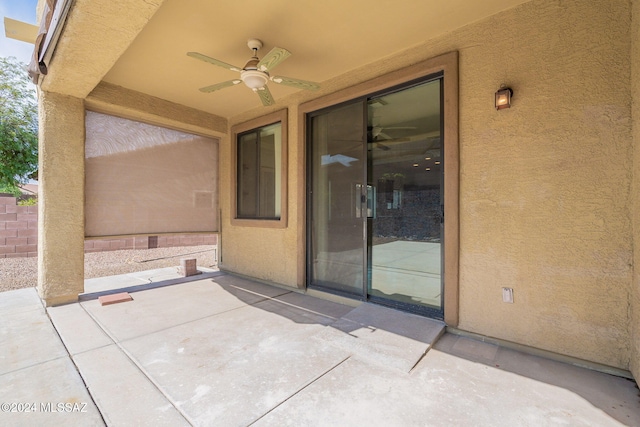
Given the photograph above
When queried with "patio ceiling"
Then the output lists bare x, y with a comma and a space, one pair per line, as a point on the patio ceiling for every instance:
326, 38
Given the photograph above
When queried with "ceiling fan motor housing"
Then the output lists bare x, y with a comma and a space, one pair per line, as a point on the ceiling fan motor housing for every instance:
251, 76
254, 79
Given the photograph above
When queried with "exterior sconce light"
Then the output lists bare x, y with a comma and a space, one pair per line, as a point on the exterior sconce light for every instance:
503, 97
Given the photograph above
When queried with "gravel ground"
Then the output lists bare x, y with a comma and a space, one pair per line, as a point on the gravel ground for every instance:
18, 273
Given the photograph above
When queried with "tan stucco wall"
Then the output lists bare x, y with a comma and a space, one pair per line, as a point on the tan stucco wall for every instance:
544, 199
545, 185
110, 99
60, 198
545, 202
84, 54
269, 254
635, 286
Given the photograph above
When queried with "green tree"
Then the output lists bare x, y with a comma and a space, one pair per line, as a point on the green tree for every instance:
18, 125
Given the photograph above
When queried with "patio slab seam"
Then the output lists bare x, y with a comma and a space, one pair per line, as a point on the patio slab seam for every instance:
428, 349
313, 380
42, 362
284, 292
91, 349
119, 345
275, 299
317, 313
116, 340
75, 366
135, 363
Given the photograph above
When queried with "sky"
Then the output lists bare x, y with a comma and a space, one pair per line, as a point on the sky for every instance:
22, 10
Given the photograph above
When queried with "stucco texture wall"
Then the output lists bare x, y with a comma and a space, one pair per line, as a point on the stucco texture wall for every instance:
545, 186
269, 254
60, 207
635, 287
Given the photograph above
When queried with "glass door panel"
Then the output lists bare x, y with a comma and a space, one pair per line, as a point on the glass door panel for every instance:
406, 169
337, 208
375, 203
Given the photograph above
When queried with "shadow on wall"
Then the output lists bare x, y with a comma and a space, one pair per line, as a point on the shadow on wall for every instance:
19, 234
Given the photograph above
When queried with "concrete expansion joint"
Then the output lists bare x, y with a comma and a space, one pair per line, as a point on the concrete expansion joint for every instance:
75, 366
300, 390
137, 366
31, 366
435, 340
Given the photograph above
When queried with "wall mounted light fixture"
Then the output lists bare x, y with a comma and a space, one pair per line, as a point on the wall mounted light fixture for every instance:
503, 97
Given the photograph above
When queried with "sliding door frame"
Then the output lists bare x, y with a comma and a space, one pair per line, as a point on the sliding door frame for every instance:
447, 64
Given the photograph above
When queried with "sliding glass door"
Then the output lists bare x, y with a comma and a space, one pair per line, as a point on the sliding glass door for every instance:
337, 232
405, 167
376, 198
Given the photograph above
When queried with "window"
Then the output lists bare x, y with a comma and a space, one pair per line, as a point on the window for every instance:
260, 147
259, 172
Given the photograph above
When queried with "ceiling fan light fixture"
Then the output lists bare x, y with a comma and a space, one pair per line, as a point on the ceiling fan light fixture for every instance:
254, 79
255, 74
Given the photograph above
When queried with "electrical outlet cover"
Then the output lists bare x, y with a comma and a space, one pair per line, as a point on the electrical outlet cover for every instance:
507, 295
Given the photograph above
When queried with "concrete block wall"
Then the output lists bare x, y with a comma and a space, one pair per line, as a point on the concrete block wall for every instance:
19, 235
18, 229
149, 242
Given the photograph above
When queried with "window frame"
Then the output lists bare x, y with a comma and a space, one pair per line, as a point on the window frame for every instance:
254, 125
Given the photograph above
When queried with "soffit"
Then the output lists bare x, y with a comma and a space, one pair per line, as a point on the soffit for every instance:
326, 38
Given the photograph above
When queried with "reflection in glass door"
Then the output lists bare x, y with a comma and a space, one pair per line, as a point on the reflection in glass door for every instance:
375, 204
405, 166
337, 168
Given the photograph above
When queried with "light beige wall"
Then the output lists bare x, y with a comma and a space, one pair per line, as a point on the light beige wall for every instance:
545, 185
635, 286
544, 200
116, 100
84, 54
60, 198
267, 253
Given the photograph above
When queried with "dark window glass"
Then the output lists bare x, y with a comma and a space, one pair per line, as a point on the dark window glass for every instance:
259, 177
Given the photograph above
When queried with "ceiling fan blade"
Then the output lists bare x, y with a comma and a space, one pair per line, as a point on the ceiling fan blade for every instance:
213, 61
273, 58
265, 96
300, 84
378, 145
394, 141
219, 86
400, 127
378, 102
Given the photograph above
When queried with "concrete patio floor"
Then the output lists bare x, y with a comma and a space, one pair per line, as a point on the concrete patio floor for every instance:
222, 350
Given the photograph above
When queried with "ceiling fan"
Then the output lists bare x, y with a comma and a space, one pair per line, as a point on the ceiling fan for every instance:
255, 73
378, 138
377, 132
